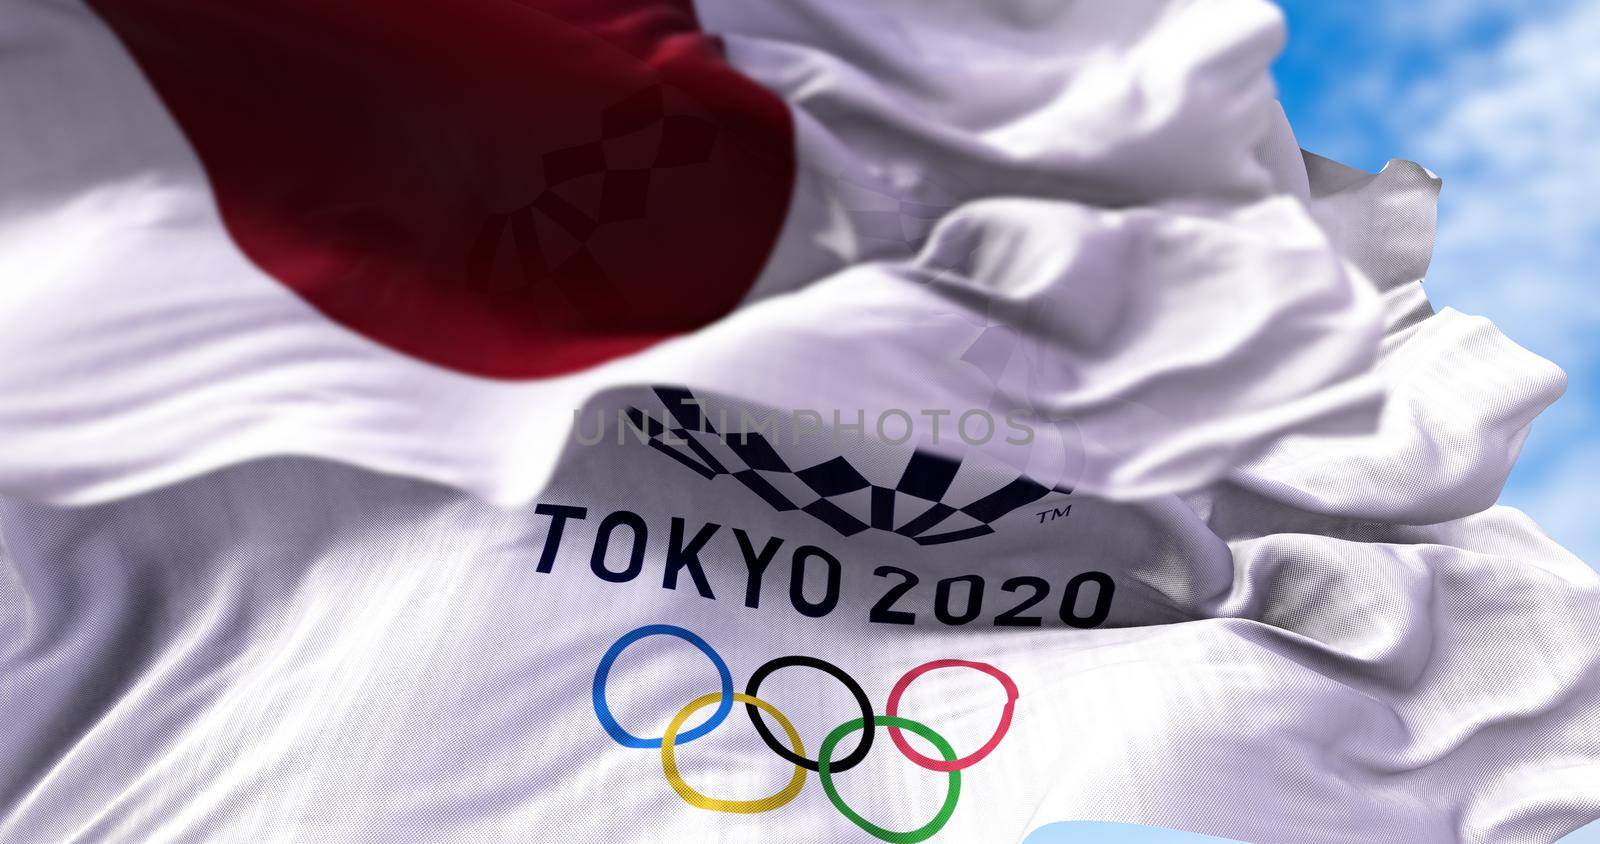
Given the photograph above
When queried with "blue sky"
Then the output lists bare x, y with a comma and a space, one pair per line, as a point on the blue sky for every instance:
1501, 98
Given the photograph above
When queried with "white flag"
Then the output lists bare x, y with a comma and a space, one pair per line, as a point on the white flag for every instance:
418, 242
623, 421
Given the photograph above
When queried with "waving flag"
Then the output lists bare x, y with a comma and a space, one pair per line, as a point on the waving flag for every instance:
419, 240
508, 420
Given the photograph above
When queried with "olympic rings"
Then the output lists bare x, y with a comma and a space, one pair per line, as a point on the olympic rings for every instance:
669, 763
893, 708
603, 711
922, 833
849, 682
824, 764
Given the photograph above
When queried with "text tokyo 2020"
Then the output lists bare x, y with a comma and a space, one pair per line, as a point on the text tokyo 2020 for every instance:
815, 577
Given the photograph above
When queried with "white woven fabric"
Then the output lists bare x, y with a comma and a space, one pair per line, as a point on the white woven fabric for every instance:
141, 346
219, 623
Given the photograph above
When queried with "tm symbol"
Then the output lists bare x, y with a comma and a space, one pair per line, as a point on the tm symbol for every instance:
1053, 513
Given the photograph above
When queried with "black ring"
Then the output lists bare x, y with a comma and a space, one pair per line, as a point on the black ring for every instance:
849, 682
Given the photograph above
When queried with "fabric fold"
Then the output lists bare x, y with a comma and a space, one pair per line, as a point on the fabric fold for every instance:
171, 311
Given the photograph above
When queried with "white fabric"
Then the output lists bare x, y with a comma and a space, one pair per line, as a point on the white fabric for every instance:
140, 347
291, 649
1334, 642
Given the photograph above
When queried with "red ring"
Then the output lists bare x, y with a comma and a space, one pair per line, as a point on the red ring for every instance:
976, 756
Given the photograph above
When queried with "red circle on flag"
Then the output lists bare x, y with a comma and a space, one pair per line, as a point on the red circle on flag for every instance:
507, 188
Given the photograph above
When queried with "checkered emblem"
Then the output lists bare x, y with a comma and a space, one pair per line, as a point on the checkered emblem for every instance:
931, 501
637, 136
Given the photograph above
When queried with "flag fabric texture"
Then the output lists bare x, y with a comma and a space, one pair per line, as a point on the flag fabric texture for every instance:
417, 245
515, 421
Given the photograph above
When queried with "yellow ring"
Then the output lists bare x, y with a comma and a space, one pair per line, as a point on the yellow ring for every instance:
669, 762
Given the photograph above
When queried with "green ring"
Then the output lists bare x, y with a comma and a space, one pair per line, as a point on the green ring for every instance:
922, 833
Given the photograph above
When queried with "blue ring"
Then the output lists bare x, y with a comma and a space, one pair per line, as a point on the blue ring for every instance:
603, 712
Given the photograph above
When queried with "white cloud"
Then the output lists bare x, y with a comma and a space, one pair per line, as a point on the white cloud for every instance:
1449, 20
1502, 99
1514, 132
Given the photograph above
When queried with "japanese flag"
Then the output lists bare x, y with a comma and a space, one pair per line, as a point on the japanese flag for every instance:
533, 420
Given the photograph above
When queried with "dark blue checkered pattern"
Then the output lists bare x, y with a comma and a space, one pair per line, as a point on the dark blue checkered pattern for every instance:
680, 140
914, 507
